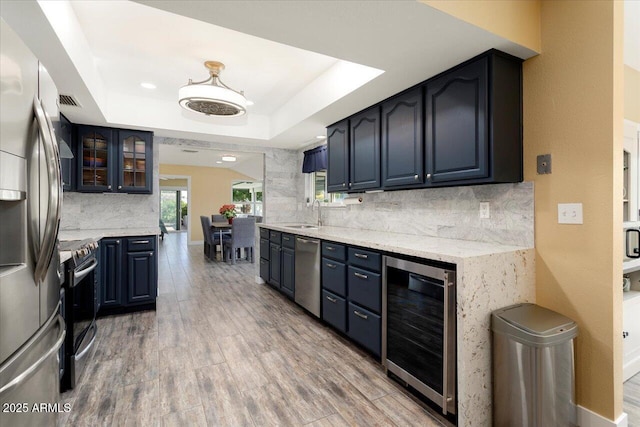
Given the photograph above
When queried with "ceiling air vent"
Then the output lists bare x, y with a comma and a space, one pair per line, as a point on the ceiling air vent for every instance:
69, 100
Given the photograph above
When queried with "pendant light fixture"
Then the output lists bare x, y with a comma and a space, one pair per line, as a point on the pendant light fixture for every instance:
211, 96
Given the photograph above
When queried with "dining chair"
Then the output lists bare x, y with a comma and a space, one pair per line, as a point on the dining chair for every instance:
218, 218
242, 237
210, 240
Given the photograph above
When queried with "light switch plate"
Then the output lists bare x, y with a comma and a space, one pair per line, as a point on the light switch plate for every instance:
570, 213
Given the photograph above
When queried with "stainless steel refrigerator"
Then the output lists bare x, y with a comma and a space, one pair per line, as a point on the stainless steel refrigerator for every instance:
31, 331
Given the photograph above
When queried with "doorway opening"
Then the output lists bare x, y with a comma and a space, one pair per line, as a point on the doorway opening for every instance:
174, 205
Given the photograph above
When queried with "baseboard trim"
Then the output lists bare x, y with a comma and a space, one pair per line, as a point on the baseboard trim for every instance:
588, 418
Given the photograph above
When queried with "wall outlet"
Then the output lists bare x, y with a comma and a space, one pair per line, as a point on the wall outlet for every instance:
570, 213
485, 210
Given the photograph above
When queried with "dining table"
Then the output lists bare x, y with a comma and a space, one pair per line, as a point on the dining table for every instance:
221, 227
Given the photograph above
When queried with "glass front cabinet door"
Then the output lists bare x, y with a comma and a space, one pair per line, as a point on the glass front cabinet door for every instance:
114, 160
135, 162
95, 159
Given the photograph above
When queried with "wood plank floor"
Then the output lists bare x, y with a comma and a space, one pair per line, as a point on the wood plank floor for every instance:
222, 350
632, 400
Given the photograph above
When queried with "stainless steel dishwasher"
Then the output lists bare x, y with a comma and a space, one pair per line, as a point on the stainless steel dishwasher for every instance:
307, 291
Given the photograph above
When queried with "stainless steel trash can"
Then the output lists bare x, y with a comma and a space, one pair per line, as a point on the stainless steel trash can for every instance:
533, 367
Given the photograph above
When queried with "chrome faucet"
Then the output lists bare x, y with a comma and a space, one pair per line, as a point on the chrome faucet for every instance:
314, 202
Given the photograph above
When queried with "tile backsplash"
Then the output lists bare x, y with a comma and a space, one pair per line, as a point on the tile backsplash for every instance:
442, 212
91, 211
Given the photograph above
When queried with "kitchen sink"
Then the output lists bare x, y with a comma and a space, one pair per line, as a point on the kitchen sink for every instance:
303, 227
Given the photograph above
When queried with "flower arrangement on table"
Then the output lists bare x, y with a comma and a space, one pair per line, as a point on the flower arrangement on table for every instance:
229, 212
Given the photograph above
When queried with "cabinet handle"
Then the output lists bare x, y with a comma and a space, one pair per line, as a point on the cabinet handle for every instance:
330, 248
286, 239
330, 265
363, 256
150, 253
428, 176
363, 316
140, 242
108, 187
119, 187
117, 242
361, 276
349, 185
344, 184
333, 300
415, 177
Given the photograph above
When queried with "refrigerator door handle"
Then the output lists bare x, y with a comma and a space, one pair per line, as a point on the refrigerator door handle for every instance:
55, 187
24, 375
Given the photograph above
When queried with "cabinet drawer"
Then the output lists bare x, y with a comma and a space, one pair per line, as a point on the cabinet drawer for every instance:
264, 269
333, 250
334, 276
364, 288
364, 328
275, 237
264, 233
334, 311
365, 259
288, 241
145, 243
264, 248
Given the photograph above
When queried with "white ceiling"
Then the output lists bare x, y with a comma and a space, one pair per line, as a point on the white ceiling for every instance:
305, 64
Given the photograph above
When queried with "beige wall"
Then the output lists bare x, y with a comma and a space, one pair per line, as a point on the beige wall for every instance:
518, 21
573, 101
631, 94
210, 189
173, 183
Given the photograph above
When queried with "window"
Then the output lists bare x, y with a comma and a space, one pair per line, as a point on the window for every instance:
316, 189
247, 196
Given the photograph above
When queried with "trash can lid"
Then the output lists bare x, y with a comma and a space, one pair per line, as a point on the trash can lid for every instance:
534, 324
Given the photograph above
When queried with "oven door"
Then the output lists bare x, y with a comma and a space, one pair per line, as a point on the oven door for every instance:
81, 309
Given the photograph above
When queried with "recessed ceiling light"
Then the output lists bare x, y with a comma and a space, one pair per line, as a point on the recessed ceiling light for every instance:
321, 136
249, 102
189, 151
219, 162
148, 85
228, 158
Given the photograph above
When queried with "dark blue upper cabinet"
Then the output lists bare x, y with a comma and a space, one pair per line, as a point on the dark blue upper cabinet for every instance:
95, 159
338, 156
402, 140
135, 161
457, 133
364, 140
114, 160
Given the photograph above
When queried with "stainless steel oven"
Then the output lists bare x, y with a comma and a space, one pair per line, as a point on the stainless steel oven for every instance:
419, 329
81, 306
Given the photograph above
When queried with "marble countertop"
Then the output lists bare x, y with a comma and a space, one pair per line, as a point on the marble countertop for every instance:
446, 250
68, 235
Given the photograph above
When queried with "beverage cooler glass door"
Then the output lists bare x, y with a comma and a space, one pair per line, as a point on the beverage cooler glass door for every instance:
419, 329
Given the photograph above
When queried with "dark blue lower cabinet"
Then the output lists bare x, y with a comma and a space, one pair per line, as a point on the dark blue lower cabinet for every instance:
334, 311
365, 288
287, 277
264, 269
275, 264
110, 266
141, 277
334, 276
128, 274
365, 328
